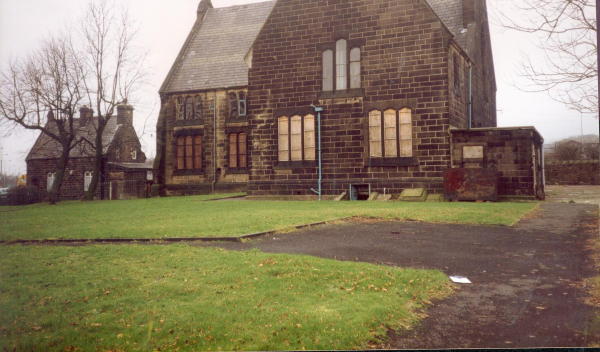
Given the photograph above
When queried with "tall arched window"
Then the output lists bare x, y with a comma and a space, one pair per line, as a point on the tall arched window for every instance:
341, 62
242, 104
198, 108
189, 108
180, 107
50, 180
390, 134
284, 139
328, 70
309, 137
375, 134
296, 137
87, 180
355, 68
405, 133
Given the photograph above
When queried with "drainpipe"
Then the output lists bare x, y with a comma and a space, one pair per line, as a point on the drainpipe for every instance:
214, 143
318, 111
470, 95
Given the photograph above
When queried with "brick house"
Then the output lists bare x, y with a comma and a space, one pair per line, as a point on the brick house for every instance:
379, 84
122, 161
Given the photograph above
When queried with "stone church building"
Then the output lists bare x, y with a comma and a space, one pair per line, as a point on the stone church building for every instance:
287, 97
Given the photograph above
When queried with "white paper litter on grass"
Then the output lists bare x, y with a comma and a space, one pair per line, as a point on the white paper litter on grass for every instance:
460, 279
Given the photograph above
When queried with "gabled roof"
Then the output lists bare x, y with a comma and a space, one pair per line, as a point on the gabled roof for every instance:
214, 57
47, 148
451, 14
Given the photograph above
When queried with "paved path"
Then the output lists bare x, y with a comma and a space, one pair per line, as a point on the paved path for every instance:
526, 289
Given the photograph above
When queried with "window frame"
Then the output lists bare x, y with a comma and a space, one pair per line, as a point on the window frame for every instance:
348, 90
185, 142
302, 137
400, 159
86, 183
237, 148
50, 175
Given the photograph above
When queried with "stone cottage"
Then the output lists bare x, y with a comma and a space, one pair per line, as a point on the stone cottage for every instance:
337, 95
124, 159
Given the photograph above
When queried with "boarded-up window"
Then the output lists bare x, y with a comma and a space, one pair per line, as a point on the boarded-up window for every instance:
233, 150
242, 154
309, 137
341, 62
296, 138
189, 152
355, 68
197, 152
375, 133
328, 70
390, 134
180, 153
405, 133
284, 139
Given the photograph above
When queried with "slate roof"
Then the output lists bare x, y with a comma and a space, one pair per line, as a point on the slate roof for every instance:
47, 148
451, 13
215, 55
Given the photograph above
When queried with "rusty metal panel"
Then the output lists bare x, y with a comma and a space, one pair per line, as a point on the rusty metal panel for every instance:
471, 184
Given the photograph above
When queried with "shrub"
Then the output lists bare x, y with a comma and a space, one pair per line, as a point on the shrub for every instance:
23, 195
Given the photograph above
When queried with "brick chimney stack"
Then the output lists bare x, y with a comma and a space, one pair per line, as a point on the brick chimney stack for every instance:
203, 7
125, 114
85, 115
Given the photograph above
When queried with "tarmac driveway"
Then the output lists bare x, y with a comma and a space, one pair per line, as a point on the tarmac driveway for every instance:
526, 286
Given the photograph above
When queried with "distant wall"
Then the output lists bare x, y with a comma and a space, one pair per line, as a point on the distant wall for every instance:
578, 172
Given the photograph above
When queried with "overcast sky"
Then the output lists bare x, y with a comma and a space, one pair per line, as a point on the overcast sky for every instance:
165, 25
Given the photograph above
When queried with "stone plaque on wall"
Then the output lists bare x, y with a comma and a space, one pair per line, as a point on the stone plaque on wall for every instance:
473, 152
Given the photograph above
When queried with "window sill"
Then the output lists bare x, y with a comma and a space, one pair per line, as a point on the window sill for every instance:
345, 93
282, 165
188, 172
193, 122
406, 161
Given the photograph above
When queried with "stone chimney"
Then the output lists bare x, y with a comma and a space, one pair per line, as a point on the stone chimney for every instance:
468, 9
203, 7
85, 115
125, 114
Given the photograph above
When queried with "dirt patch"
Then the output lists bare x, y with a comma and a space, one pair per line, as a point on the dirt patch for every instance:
586, 194
525, 289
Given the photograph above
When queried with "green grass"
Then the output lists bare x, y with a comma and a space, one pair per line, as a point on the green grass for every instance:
194, 217
100, 298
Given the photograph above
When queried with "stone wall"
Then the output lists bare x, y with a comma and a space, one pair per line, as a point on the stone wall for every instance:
514, 152
579, 172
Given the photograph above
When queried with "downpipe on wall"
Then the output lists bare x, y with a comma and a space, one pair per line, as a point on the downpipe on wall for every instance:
214, 143
318, 110
470, 95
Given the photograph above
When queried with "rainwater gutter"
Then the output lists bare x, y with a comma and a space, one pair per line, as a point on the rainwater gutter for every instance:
470, 95
214, 143
318, 111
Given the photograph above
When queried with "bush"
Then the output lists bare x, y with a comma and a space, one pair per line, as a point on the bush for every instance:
23, 195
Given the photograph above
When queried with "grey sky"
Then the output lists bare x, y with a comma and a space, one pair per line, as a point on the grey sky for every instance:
165, 25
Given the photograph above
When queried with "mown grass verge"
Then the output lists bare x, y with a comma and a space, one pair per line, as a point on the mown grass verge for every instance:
194, 217
148, 298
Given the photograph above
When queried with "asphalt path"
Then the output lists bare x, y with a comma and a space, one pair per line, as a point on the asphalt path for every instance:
526, 288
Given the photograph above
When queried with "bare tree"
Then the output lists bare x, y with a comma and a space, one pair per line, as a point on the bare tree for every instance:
113, 68
568, 38
43, 93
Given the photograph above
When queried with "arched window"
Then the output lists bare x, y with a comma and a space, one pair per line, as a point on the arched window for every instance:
189, 108
198, 108
328, 70
237, 151
233, 105
406, 133
50, 180
180, 109
355, 68
87, 180
189, 152
375, 134
390, 134
341, 62
242, 104
284, 139
242, 151
296, 137
394, 128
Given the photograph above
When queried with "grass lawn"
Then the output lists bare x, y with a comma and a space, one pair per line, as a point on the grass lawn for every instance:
195, 217
148, 298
